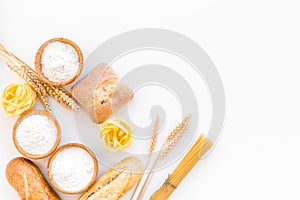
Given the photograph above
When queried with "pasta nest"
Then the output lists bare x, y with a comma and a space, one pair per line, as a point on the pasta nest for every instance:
18, 98
116, 134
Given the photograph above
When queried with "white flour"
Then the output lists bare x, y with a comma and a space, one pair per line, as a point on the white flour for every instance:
36, 134
72, 169
59, 62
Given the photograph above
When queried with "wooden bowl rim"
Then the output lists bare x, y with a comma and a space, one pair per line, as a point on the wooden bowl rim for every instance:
63, 147
36, 112
38, 66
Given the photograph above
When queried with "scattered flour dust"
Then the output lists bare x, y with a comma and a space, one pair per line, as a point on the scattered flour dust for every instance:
36, 134
59, 61
72, 169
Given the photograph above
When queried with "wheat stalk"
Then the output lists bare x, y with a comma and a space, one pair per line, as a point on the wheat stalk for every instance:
43, 89
151, 149
177, 128
45, 102
41, 93
58, 93
61, 96
173, 138
154, 136
65, 98
174, 141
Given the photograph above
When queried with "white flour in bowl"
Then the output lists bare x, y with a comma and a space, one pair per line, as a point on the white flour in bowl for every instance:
59, 62
72, 169
36, 134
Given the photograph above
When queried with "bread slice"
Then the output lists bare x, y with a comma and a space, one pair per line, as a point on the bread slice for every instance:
117, 181
101, 93
26, 178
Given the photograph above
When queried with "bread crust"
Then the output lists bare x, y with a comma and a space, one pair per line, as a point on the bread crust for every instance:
117, 181
101, 93
26, 178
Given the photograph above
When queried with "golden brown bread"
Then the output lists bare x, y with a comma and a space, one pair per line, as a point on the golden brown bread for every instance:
114, 183
26, 178
101, 93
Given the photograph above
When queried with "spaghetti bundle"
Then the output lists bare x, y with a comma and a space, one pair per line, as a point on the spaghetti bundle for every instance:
200, 147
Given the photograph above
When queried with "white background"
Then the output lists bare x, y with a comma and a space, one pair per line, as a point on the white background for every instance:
255, 46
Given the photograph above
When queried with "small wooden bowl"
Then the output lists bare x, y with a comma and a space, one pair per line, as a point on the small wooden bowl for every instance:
38, 65
36, 112
52, 157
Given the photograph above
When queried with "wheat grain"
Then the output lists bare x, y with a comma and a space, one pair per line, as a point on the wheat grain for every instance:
31, 77
57, 93
154, 135
151, 149
44, 101
175, 140
65, 99
177, 128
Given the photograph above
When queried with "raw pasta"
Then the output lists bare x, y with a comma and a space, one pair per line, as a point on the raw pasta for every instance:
18, 98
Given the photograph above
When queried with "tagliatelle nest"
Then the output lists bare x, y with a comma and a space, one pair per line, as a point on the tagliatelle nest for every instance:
116, 134
18, 98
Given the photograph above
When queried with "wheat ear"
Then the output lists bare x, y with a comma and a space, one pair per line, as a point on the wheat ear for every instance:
58, 93
170, 142
43, 89
42, 95
151, 149
177, 128
174, 141
154, 135
61, 96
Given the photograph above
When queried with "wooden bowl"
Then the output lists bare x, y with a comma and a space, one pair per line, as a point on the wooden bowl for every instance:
36, 112
52, 157
38, 65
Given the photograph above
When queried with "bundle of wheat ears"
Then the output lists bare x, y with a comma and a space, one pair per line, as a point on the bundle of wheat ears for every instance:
42, 89
173, 138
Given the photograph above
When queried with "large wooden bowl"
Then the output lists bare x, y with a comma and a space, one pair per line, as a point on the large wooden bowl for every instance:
50, 161
36, 112
38, 65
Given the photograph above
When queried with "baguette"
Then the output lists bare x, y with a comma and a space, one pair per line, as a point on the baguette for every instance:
26, 178
114, 184
101, 93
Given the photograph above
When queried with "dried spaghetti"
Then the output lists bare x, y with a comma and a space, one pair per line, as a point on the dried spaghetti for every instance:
200, 147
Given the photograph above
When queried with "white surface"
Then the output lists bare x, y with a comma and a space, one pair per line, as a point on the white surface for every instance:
255, 46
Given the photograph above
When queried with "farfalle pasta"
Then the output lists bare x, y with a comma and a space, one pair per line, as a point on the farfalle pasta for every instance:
18, 98
116, 134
